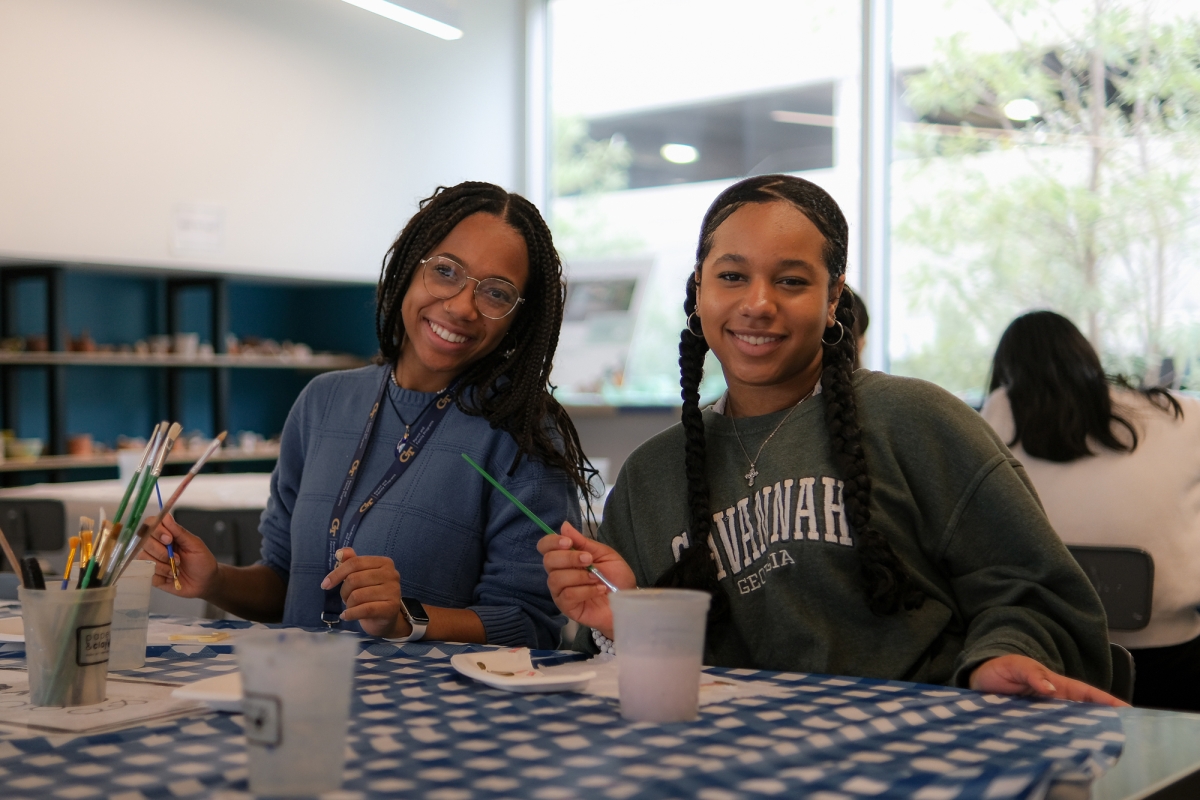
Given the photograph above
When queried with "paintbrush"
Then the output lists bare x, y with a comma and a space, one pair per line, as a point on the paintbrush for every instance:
548, 530
152, 470
12, 558
170, 546
74, 542
148, 528
85, 553
158, 431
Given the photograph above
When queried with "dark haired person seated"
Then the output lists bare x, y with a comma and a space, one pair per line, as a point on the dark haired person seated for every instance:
844, 521
1113, 466
371, 493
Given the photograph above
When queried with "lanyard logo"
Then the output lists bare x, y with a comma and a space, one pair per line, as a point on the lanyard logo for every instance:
367, 505
354, 467
407, 454
443, 401
333, 526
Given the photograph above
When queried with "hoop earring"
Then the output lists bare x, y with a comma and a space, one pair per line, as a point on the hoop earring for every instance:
698, 334
841, 334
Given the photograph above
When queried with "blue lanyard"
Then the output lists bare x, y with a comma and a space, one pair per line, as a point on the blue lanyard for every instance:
343, 527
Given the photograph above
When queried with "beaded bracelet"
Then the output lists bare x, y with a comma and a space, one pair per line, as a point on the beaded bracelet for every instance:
605, 644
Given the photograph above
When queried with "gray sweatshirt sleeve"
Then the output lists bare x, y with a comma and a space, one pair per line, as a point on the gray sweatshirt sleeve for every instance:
1017, 584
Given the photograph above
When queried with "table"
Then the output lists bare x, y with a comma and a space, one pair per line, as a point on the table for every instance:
420, 730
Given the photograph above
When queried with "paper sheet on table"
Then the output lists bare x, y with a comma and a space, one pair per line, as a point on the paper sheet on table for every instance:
128, 703
159, 633
713, 688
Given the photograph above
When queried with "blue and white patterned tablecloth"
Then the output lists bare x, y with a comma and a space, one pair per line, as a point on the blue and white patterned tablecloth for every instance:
419, 729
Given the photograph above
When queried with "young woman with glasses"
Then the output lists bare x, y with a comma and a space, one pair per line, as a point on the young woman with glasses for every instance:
845, 522
375, 521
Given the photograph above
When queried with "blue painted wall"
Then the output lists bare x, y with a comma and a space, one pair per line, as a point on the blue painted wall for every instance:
120, 309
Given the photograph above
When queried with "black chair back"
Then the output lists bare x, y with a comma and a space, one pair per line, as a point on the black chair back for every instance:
1124, 579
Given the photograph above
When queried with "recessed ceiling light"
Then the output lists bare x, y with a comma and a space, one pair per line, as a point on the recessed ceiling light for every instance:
410, 18
1021, 110
679, 153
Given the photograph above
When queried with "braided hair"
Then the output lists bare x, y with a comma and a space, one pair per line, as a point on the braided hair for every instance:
887, 583
509, 386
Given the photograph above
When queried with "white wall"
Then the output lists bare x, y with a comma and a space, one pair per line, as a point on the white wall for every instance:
311, 125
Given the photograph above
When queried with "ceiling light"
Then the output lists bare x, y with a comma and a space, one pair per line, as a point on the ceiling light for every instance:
1021, 110
410, 18
679, 153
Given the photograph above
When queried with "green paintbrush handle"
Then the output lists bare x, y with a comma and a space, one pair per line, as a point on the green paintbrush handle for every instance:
128, 493
549, 531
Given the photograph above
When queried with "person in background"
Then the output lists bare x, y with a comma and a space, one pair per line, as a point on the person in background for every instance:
371, 493
862, 320
845, 522
1113, 466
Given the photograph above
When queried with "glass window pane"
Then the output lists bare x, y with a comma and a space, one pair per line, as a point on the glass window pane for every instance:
658, 105
1045, 157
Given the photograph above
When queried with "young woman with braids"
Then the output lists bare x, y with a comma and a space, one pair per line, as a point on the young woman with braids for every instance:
845, 522
1114, 466
467, 313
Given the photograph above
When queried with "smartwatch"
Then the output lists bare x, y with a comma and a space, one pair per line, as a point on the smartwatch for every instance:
416, 615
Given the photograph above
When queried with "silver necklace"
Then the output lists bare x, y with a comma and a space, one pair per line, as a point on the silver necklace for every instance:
753, 473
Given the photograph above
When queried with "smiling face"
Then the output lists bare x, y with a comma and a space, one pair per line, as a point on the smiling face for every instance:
444, 337
764, 300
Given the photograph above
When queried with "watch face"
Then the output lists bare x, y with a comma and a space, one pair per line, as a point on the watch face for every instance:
415, 611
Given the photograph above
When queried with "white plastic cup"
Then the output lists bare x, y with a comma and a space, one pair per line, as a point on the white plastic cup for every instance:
295, 706
67, 639
660, 646
131, 615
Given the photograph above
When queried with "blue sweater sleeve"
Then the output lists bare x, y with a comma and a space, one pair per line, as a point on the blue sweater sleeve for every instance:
512, 598
275, 524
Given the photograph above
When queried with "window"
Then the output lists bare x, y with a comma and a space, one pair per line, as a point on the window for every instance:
657, 106
1046, 157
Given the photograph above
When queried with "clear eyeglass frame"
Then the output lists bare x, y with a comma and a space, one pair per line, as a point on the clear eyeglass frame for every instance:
445, 286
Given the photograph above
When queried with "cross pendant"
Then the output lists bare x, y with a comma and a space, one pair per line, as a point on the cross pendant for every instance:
751, 475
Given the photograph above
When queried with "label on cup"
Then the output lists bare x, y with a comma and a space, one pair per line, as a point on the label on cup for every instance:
264, 719
92, 644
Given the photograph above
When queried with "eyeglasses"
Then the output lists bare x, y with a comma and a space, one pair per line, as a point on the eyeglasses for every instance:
444, 278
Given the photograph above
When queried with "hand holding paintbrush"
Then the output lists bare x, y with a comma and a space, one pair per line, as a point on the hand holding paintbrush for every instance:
149, 527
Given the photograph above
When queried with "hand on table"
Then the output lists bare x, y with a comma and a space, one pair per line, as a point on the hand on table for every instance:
371, 592
1021, 675
578, 593
197, 565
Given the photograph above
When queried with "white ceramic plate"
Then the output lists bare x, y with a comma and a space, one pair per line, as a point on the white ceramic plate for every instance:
222, 693
526, 681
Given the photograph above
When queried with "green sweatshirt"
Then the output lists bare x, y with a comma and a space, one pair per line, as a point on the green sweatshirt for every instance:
957, 508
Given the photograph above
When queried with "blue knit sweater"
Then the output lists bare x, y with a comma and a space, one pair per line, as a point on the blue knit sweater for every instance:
457, 542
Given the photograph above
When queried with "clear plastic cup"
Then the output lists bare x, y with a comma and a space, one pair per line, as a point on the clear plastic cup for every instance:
67, 639
131, 615
660, 645
295, 706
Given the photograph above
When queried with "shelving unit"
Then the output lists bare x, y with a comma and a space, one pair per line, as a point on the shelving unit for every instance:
319, 362
266, 452
172, 298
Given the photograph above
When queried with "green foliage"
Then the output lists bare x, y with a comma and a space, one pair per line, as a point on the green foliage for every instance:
1086, 209
583, 165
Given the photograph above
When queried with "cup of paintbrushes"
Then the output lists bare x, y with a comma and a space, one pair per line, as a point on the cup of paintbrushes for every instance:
67, 638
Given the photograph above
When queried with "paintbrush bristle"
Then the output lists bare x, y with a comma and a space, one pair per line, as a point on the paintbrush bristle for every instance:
221, 436
74, 542
86, 524
174, 431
